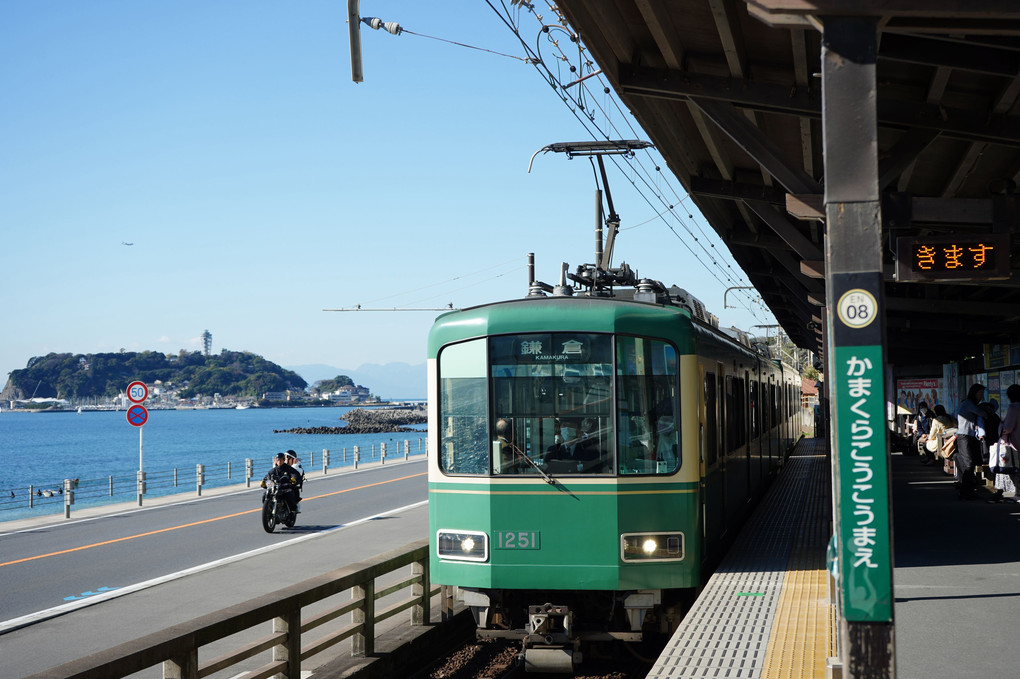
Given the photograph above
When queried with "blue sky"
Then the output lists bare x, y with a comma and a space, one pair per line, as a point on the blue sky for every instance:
259, 185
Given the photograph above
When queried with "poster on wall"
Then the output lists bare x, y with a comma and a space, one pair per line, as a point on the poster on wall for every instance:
996, 355
951, 387
1006, 378
992, 387
911, 392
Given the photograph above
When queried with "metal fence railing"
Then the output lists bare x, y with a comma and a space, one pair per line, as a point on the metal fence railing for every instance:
292, 614
65, 494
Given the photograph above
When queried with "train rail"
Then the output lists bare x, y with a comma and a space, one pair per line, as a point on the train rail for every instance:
501, 659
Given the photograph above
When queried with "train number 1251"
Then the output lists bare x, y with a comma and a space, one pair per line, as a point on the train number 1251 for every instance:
517, 539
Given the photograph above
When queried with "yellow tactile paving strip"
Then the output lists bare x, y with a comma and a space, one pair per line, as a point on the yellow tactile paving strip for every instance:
801, 636
765, 613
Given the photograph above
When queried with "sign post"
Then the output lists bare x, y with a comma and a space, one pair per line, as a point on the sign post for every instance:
854, 274
137, 416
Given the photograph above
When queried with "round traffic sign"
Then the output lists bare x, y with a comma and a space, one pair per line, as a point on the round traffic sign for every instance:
137, 415
137, 392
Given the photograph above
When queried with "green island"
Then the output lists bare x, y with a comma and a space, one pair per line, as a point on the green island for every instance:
187, 378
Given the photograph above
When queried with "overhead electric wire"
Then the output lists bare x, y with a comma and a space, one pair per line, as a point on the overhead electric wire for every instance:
461, 44
555, 81
419, 288
484, 280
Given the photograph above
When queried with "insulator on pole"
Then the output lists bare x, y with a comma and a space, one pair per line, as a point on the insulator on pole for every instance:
388, 26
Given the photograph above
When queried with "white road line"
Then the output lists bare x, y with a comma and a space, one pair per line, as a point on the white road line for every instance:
39, 616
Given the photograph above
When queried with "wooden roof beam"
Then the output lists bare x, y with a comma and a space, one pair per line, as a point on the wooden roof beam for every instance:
798, 42
967, 125
757, 145
949, 54
903, 155
714, 188
787, 230
660, 23
986, 9
728, 25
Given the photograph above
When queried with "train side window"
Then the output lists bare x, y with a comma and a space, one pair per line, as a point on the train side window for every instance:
463, 409
711, 420
736, 416
646, 406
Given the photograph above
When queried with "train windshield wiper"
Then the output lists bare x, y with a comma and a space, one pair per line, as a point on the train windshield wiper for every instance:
548, 479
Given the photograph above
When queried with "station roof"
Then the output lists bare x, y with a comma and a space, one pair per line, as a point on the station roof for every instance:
729, 91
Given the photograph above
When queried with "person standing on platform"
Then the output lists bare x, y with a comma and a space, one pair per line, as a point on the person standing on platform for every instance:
969, 430
992, 424
1010, 437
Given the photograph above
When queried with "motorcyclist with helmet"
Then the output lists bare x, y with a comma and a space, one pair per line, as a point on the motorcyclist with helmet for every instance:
292, 460
287, 477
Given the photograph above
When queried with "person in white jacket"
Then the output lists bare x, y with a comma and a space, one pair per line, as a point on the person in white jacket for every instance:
1009, 440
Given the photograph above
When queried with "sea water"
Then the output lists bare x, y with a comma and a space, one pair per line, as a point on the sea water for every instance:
43, 449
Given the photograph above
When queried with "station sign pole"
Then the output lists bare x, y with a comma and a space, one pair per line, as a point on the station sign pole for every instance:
855, 310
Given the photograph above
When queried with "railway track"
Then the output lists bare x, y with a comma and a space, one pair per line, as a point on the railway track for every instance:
498, 659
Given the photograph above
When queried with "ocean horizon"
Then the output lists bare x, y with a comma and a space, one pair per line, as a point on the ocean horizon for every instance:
43, 449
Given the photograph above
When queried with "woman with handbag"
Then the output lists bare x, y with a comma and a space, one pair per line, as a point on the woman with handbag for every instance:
939, 424
1004, 453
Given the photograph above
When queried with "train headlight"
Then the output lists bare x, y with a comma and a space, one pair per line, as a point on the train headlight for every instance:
652, 546
462, 545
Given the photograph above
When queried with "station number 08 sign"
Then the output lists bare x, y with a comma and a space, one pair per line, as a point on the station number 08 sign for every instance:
857, 308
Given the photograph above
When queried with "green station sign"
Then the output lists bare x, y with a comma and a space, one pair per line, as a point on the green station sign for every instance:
864, 528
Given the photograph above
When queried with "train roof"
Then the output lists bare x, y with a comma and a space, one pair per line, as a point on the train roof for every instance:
673, 315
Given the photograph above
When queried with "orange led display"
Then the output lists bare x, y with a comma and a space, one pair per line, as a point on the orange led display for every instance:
963, 257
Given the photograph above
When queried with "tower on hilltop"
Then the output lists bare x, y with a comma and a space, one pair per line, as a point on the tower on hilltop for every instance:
207, 342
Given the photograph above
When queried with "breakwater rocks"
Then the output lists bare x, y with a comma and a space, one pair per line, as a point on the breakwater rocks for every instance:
373, 421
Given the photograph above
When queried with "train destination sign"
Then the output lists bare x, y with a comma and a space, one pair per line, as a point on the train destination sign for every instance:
983, 256
535, 348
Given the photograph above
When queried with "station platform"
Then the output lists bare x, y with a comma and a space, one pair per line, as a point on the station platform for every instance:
768, 612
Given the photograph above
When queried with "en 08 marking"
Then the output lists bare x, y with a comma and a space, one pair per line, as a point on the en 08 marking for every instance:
518, 539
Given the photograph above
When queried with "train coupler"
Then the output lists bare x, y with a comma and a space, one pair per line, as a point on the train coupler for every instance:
549, 645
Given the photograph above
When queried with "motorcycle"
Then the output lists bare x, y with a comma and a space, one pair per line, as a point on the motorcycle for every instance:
275, 509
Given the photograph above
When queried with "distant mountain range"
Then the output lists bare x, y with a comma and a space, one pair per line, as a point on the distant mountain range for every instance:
391, 381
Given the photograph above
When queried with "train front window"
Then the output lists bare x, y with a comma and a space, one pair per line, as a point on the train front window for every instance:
646, 406
552, 404
463, 409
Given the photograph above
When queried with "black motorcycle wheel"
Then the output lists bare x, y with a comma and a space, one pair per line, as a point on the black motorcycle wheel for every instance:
269, 515
291, 519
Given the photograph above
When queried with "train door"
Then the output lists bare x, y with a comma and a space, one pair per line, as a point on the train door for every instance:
767, 421
740, 427
738, 463
713, 480
753, 420
774, 446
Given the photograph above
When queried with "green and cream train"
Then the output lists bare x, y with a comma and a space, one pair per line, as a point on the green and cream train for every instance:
590, 458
